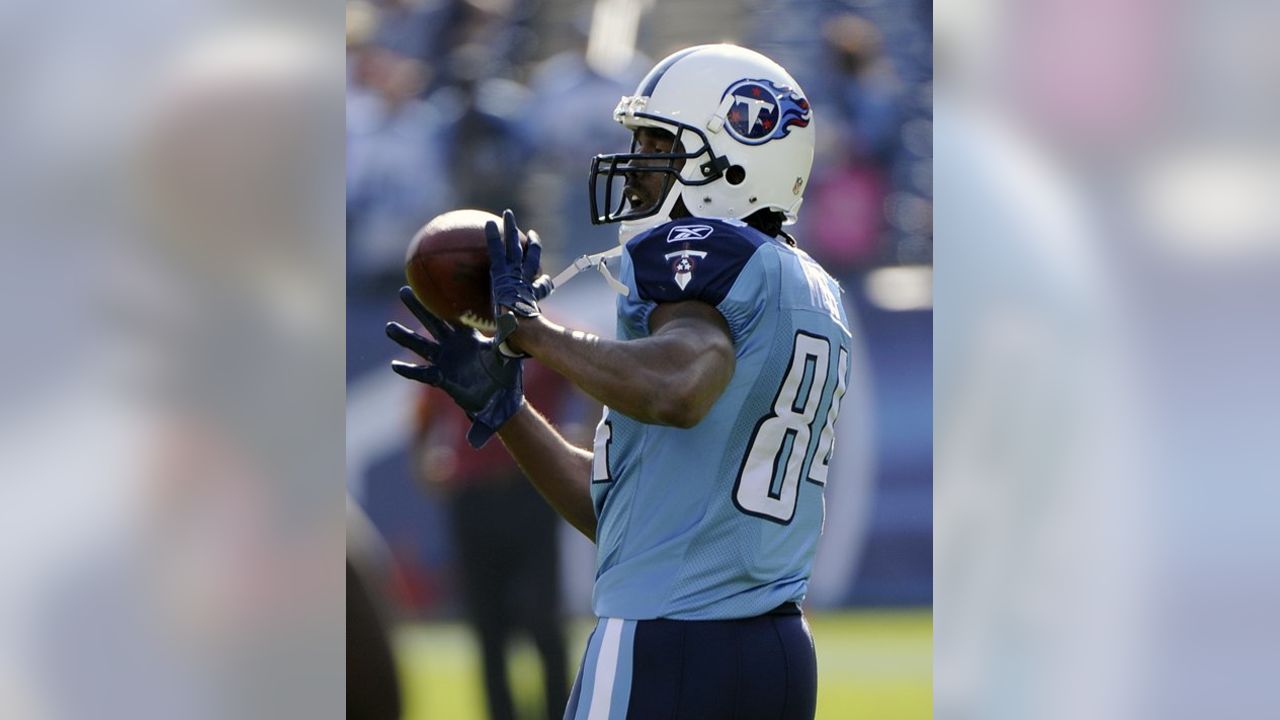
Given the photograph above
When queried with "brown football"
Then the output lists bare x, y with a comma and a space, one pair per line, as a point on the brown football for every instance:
447, 266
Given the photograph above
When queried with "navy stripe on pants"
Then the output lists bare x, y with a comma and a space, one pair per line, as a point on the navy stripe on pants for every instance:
760, 668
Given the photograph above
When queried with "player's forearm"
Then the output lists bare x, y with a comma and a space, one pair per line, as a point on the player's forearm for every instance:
657, 380
560, 471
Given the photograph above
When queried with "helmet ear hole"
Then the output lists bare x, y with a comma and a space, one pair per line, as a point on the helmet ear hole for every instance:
736, 174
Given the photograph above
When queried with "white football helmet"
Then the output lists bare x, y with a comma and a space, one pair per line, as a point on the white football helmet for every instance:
747, 135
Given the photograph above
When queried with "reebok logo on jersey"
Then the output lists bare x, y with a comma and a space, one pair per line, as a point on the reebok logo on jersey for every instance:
685, 233
683, 263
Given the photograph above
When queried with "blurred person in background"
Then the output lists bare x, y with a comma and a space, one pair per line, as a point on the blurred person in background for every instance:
867, 116
498, 26
373, 690
396, 173
848, 205
484, 154
505, 542
563, 123
373, 685
412, 28
504, 536
423, 78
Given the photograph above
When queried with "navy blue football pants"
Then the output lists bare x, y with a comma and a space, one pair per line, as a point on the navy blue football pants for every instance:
760, 668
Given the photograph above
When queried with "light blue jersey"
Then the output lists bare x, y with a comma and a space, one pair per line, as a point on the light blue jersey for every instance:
721, 520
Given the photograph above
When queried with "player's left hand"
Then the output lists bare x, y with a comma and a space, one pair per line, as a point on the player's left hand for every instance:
513, 274
465, 364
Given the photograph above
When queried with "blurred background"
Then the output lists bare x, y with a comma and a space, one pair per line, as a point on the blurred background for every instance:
501, 103
171, 387
172, 381
1106, 343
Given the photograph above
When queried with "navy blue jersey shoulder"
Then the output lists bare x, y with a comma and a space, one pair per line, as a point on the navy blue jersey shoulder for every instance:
691, 259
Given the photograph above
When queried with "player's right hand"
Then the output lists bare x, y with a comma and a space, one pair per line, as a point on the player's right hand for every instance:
514, 278
514, 273
465, 364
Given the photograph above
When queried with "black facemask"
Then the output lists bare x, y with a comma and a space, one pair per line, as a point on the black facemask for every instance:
617, 168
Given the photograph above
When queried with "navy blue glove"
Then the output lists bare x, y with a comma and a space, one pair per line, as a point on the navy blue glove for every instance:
513, 274
463, 363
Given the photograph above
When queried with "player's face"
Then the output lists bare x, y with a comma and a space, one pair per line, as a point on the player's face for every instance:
645, 189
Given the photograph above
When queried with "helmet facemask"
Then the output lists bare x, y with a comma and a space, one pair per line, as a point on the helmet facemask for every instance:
610, 174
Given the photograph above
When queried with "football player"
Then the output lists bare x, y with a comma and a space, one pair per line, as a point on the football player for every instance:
703, 491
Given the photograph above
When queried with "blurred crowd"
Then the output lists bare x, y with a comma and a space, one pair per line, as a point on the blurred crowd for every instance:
502, 103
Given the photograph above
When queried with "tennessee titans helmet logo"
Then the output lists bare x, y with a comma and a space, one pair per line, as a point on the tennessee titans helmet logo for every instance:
757, 111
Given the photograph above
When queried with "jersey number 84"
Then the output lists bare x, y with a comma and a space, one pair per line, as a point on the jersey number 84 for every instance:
779, 451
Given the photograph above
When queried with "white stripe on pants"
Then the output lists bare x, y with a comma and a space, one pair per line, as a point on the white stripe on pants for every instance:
606, 669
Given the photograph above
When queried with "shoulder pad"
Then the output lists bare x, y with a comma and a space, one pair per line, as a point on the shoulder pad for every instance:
691, 259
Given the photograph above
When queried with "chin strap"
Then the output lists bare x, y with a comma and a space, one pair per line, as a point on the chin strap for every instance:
597, 261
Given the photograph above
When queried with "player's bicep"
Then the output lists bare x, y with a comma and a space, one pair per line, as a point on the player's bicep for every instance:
701, 344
